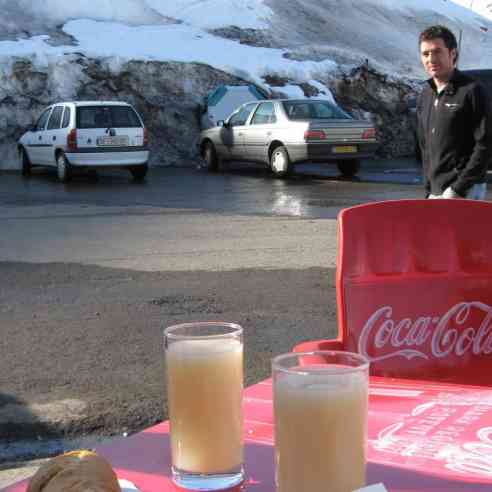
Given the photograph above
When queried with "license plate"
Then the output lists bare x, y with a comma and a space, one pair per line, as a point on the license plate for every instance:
345, 149
116, 141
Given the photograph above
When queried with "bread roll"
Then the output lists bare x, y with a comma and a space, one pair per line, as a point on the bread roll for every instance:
76, 471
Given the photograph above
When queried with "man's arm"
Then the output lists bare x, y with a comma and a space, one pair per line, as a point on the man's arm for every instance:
421, 144
475, 169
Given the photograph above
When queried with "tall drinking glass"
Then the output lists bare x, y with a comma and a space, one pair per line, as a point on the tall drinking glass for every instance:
204, 374
320, 408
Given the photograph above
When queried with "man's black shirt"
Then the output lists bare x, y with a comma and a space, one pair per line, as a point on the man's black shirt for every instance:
455, 134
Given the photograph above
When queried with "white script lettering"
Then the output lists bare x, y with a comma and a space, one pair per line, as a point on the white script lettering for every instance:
444, 335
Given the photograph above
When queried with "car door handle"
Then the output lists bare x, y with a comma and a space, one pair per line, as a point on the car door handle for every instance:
54, 137
40, 137
240, 134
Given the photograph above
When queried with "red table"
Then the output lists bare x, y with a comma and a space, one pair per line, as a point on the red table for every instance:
423, 436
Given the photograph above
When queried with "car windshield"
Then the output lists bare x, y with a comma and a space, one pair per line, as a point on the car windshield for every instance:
313, 110
107, 117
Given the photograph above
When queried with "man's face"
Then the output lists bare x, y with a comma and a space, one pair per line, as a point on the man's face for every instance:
437, 59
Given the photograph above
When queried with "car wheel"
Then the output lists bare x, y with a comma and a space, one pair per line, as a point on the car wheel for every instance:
63, 168
349, 168
25, 163
280, 162
139, 172
210, 157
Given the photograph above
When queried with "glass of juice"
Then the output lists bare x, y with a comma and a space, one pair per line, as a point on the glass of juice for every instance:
320, 410
204, 377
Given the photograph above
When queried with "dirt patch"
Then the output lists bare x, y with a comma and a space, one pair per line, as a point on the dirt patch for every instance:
82, 345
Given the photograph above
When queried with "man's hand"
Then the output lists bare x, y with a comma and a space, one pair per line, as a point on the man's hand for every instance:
450, 193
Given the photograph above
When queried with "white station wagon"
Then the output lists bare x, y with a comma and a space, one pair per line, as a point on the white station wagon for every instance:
87, 134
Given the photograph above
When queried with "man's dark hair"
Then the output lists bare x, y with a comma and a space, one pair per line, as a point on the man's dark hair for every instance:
440, 32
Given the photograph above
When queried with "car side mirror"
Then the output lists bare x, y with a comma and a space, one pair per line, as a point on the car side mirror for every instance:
221, 123
31, 128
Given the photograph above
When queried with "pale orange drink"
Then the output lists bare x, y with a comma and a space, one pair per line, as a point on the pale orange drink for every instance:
204, 368
320, 409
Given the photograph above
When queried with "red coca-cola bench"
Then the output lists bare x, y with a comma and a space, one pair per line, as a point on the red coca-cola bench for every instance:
414, 289
414, 295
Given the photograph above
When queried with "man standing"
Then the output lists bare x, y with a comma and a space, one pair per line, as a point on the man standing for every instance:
454, 122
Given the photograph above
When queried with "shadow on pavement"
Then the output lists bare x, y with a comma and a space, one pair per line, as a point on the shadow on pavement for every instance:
17, 421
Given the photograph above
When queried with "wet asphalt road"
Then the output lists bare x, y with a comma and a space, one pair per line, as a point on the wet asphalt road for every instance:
188, 219
311, 192
92, 270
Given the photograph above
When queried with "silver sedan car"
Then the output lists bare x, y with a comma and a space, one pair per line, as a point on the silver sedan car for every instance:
284, 132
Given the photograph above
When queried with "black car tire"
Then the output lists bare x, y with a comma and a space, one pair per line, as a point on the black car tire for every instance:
349, 168
25, 163
280, 163
139, 172
210, 157
63, 168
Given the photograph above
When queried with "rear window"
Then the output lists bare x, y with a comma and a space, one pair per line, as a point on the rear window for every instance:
313, 110
107, 117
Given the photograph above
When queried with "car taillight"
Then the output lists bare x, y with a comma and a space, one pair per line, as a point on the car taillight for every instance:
369, 133
145, 137
314, 135
72, 139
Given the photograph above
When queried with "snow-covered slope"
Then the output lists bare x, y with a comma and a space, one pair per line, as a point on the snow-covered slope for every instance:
481, 7
293, 38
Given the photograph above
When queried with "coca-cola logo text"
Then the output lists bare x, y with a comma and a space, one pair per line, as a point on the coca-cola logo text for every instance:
450, 334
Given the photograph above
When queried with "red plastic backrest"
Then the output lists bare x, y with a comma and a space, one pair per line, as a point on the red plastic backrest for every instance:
414, 288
